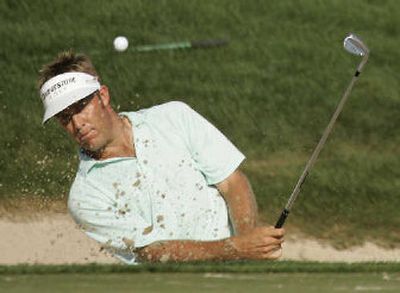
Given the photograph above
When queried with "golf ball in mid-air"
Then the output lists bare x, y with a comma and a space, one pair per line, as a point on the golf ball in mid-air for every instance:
121, 43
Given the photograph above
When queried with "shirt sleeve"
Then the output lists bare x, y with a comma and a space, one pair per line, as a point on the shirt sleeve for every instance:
214, 153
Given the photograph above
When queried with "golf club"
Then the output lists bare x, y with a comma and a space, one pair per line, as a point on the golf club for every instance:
354, 45
182, 45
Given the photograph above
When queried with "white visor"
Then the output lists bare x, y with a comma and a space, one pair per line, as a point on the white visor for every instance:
64, 90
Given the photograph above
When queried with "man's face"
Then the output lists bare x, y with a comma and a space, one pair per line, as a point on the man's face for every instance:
86, 121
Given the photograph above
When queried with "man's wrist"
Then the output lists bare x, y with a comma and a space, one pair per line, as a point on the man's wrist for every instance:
230, 249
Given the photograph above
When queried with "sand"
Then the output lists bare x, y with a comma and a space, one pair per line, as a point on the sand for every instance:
53, 238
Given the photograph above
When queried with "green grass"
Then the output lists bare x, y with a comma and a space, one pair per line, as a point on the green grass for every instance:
196, 277
202, 267
272, 91
210, 282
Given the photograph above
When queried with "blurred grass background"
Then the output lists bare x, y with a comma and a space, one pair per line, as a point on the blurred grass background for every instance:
271, 91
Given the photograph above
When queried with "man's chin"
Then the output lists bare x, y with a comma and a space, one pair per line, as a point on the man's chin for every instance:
90, 148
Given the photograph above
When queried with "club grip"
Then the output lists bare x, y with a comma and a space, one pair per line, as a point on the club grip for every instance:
282, 218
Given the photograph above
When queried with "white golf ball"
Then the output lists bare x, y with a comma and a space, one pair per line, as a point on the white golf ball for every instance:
120, 43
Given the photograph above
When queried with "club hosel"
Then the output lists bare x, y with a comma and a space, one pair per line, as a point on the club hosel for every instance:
361, 65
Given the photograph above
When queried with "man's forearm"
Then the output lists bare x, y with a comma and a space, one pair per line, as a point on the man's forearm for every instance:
243, 207
187, 250
240, 201
258, 243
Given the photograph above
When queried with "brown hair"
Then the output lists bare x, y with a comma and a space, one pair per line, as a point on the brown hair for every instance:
66, 61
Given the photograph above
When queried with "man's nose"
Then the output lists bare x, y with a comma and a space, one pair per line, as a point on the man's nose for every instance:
78, 121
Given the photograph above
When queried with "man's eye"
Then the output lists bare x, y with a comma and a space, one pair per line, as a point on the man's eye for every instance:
82, 105
64, 118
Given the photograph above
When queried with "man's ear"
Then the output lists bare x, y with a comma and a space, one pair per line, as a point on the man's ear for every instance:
104, 95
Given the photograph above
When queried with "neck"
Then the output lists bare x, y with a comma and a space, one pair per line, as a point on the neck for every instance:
121, 144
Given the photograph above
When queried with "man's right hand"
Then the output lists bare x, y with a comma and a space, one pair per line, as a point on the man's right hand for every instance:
259, 243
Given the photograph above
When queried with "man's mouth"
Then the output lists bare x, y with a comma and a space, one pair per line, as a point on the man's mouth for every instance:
86, 136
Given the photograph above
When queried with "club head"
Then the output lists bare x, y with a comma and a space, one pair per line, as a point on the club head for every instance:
355, 45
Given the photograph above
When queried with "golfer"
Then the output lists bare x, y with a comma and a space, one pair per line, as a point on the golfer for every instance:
160, 184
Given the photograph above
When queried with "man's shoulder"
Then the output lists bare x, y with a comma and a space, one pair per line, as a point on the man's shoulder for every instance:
169, 107
162, 115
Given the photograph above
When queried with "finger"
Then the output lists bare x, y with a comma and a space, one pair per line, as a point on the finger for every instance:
267, 241
272, 231
279, 232
271, 251
263, 251
274, 254
270, 248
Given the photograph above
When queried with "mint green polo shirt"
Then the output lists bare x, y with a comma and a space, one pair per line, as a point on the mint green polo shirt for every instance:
166, 192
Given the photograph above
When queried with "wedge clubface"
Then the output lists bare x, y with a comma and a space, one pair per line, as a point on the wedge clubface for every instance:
354, 45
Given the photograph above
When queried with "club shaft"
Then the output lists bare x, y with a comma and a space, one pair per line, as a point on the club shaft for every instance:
320, 144
319, 147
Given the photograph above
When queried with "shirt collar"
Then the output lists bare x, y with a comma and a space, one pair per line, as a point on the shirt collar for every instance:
87, 163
